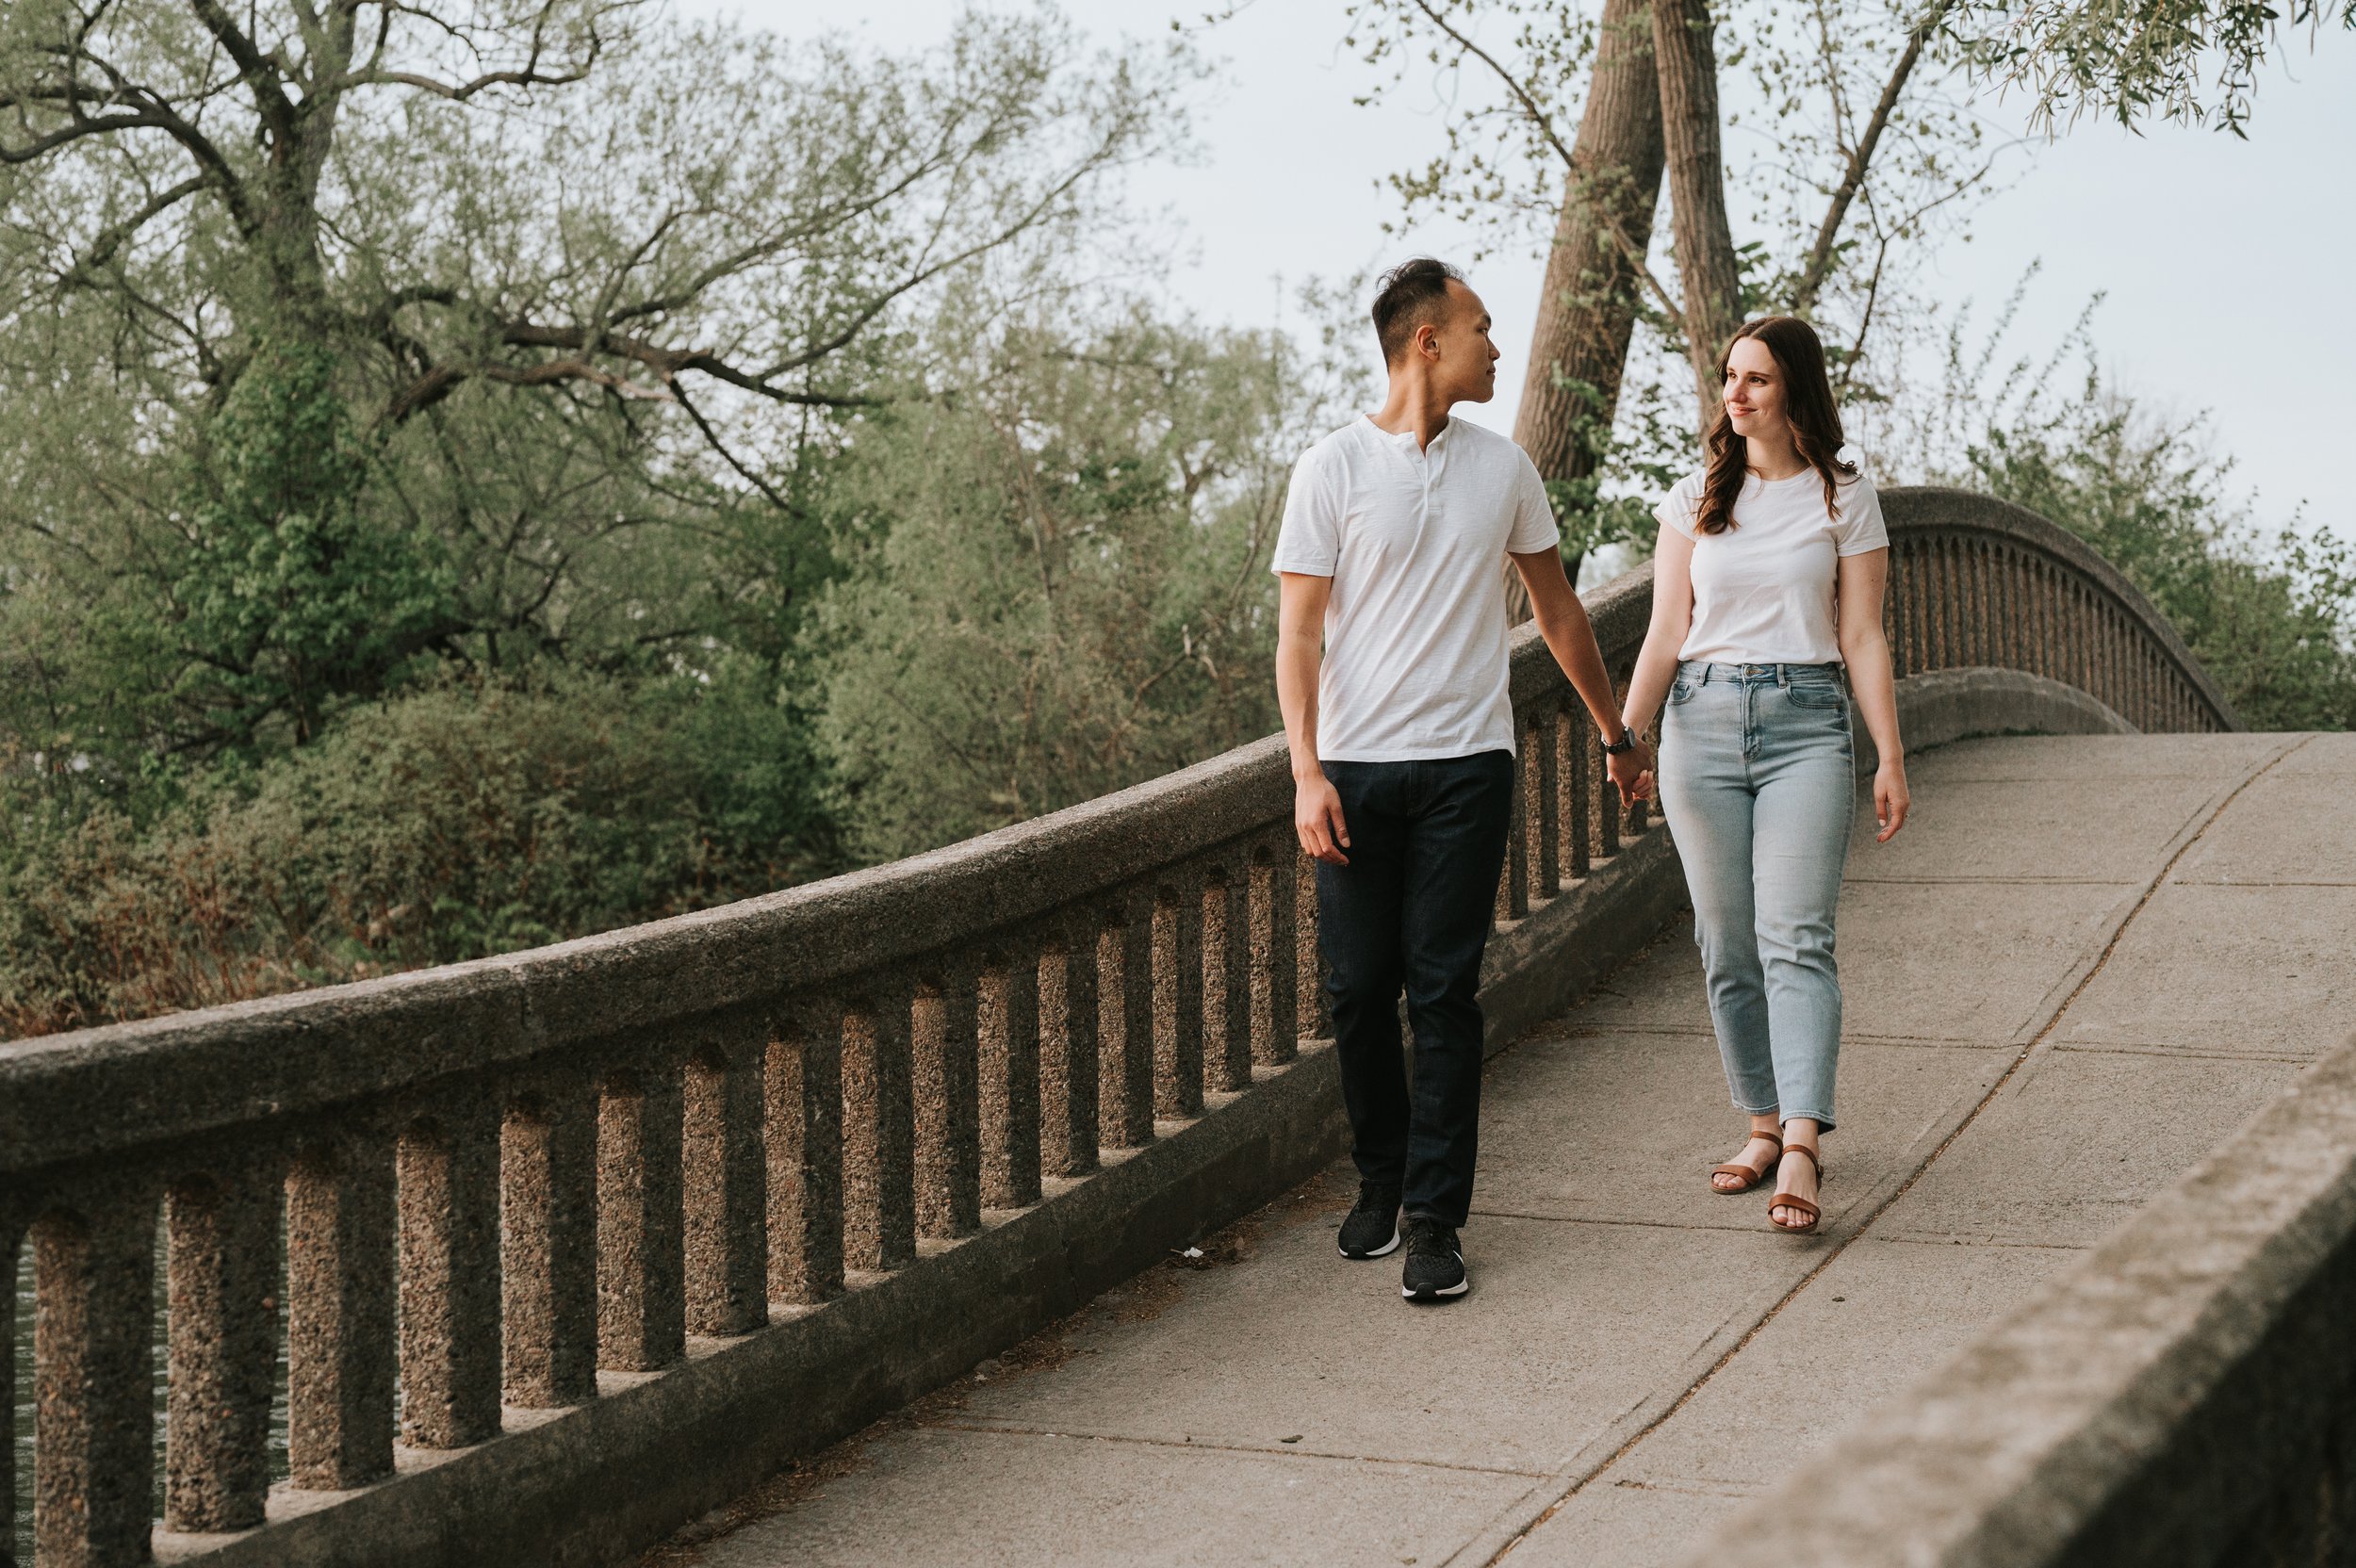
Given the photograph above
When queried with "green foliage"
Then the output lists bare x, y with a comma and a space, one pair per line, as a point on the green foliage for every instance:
2270, 615
2273, 621
1610, 509
462, 820
2195, 61
289, 597
1073, 591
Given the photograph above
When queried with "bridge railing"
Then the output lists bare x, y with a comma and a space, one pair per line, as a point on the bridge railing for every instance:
455, 1201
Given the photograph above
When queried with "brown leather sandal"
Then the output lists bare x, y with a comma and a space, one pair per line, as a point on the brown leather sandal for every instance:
1785, 1200
1750, 1178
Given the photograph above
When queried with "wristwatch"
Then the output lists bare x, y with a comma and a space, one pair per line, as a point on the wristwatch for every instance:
1626, 743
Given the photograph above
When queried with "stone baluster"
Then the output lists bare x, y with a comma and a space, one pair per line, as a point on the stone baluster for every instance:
2052, 663
11, 1260
548, 1264
1919, 603
1311, 1015
1894, 613
803, 1093
2007, 643
1512, 891
93, 1392
1275, 963
1946, 552
1893, 620
1067, 1048
1227, 979
1926, 591
2105, 656
1956, 601
1542, 827
1124, 1023
1955, 554
1986, 606
448, 1169
641, 1287
1979, 623
1946, 606
1006, 1030
1603, 801
222, 1274
339, 1312
725, 1184
948, 1109
2022, 592
878, 1133
1574, 761
1916, 588
2115, 626
2082, 658
1178, 974
2107, 650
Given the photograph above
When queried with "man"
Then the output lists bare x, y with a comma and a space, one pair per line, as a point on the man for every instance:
1392, 552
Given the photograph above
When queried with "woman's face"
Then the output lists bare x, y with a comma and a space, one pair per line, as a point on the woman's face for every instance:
1754, 390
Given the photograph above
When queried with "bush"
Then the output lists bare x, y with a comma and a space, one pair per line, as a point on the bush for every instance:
2276, 627
465, 820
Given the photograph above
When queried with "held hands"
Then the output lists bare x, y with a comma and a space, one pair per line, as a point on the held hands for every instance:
1318, 819
1892, 800
1631, 772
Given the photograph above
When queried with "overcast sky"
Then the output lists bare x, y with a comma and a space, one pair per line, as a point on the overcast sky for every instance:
2226, 263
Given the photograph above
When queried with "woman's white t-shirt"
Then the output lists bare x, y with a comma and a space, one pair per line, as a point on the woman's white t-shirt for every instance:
1765, 590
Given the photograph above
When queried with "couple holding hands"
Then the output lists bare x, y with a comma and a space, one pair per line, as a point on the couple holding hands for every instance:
1391, 670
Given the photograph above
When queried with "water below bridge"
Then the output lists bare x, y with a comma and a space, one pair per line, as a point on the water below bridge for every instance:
2086, 962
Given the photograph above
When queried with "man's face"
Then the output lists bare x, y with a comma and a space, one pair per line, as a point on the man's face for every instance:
1467, 362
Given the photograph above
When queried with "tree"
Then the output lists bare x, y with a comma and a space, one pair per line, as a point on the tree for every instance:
2195, 61
1685, 55
1073, 591
570, 267
288, 597
1823, 175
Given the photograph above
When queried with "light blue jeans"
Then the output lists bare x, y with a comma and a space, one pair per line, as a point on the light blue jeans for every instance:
1759, 783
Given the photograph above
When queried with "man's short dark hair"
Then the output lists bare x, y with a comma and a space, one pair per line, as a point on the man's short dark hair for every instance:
1411, 295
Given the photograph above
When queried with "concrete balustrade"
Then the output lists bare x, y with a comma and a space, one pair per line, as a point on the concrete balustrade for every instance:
862, 1132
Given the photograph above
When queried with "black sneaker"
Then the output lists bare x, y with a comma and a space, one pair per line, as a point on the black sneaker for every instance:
1435, 1265
1372, 1229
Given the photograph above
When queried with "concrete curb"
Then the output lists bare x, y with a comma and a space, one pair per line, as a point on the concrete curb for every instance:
1945, 705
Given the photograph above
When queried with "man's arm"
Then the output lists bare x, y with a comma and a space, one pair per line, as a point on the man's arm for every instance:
1563, 621
1299, 650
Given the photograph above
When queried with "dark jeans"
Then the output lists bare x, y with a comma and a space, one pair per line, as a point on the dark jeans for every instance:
1412, 911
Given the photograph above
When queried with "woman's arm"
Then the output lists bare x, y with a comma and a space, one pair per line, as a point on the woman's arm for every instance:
1672, 618
1865, 649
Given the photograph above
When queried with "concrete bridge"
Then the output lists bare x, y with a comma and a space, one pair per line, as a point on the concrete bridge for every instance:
544, 1258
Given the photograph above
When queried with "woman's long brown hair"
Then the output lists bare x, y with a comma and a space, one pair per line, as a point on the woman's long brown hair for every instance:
1808, 408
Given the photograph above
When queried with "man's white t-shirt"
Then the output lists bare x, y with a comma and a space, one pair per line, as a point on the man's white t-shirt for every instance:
1416, 543
1765, 591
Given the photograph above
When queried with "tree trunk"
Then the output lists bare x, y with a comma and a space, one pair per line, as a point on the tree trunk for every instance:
1587, 307
1688, 65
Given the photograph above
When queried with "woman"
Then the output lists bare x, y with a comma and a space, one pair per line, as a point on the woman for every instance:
1767, 585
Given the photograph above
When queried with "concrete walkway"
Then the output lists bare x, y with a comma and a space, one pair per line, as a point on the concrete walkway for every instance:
2085, 963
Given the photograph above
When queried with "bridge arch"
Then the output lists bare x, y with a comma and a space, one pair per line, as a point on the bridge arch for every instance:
1105, 1021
